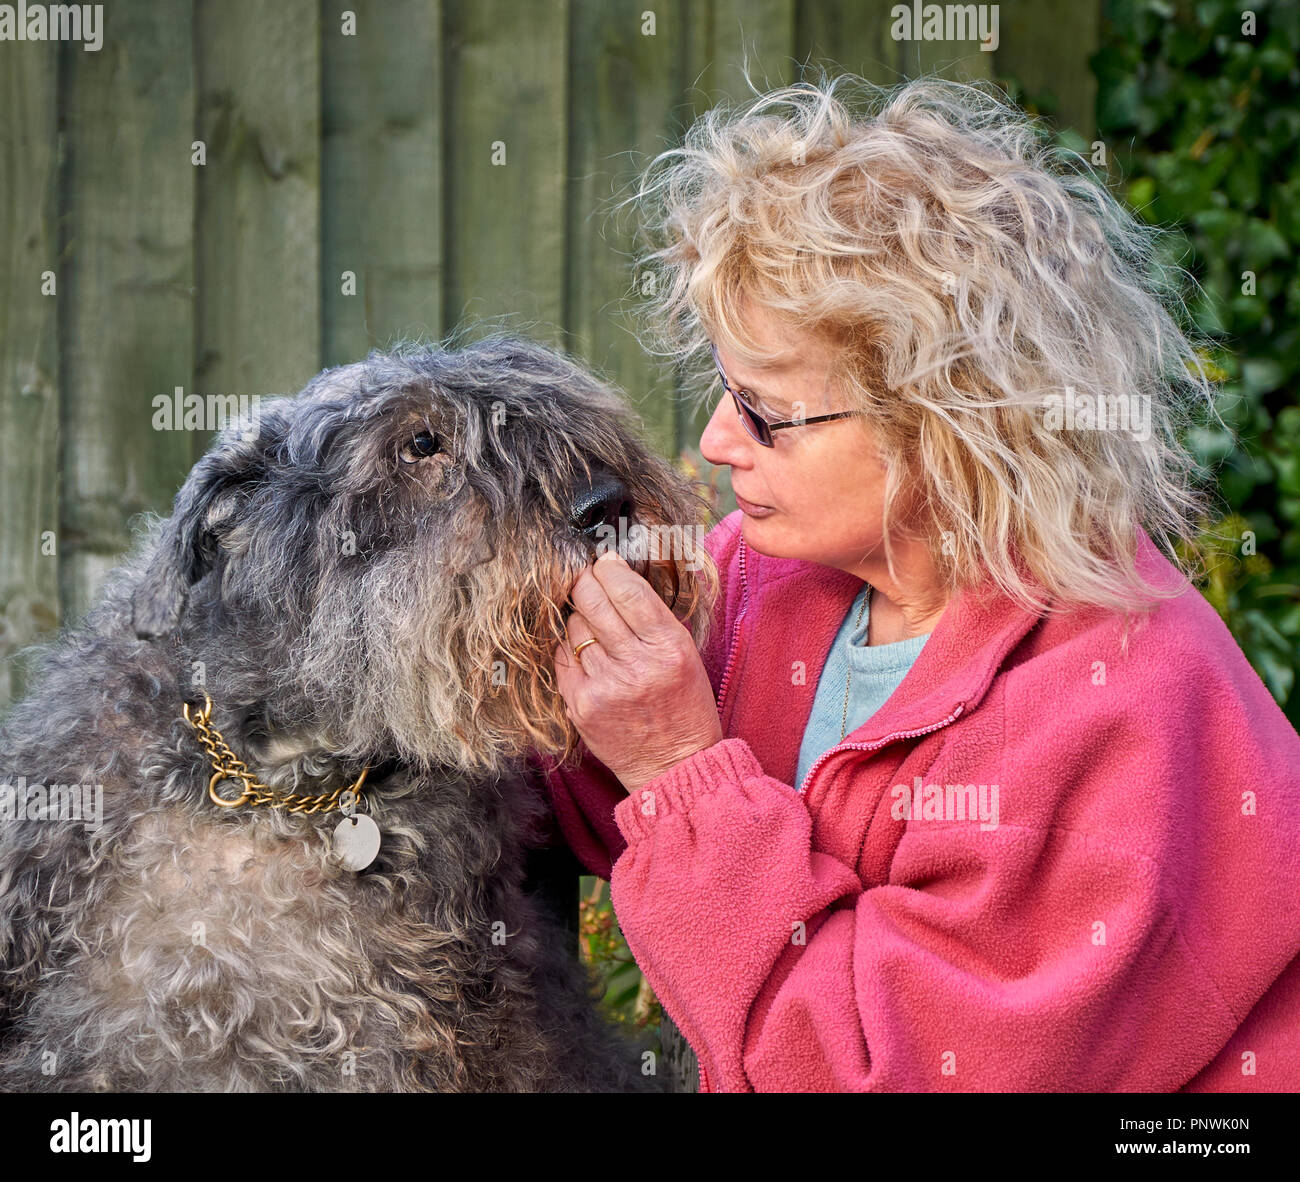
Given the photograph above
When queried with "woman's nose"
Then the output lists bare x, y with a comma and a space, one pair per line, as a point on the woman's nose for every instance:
724, 440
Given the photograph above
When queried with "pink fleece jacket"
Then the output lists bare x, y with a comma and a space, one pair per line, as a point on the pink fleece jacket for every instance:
1127, 918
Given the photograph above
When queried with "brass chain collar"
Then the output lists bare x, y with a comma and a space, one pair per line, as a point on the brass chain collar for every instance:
227, 765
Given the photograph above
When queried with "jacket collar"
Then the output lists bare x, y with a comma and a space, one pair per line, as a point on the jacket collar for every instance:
976, 632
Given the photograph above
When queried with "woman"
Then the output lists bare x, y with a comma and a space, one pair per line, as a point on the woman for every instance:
970, 790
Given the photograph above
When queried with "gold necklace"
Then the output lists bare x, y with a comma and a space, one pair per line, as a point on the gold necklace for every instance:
848, 681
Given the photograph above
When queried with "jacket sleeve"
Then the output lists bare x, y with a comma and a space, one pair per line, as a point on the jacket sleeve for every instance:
1018, 959
584, 792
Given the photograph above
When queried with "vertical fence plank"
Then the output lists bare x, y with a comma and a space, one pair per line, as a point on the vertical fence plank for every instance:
699, 70
908, 51
29, 411
1046, 48
865, 37
258, 222
765, 37
760, 33
505, 98
125, 284
381, 167
624, 81
850, 35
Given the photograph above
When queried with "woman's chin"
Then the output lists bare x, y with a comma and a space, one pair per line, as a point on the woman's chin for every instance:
769, 537
760, 535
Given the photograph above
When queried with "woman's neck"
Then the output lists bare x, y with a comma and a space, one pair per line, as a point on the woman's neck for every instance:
907, 602
890, 621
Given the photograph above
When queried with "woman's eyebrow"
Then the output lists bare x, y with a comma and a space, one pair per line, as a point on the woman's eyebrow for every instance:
774, 403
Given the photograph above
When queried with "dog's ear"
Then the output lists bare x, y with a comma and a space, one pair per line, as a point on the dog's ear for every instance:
187, 545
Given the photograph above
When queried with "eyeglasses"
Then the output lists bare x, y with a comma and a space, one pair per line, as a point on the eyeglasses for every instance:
758, 428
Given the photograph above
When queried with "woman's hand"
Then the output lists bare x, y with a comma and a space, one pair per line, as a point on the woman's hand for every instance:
640, 697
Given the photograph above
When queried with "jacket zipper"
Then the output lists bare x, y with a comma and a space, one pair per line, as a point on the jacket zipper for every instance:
735, 630
925, 730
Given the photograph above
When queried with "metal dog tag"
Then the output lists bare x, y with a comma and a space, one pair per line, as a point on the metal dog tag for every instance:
356, 841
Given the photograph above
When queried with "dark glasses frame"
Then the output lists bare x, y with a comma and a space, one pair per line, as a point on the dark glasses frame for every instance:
756, 426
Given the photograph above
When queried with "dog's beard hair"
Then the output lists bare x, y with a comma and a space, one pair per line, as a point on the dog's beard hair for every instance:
464, 679
424, 676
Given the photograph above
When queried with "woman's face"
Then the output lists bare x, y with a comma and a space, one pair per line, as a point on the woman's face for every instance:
818, 495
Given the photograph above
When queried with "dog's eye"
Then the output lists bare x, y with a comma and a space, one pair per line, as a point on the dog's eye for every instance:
424, 444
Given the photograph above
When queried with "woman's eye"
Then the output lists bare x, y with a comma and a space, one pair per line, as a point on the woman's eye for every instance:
422, 445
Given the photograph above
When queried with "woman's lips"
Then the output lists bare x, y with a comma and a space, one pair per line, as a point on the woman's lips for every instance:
749, 509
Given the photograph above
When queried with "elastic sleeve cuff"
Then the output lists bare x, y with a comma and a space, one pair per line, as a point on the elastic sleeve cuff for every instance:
676, 790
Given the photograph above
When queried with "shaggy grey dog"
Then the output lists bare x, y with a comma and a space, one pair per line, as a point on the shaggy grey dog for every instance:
374, 577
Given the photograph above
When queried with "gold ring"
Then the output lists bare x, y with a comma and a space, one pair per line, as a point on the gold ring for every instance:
577, 648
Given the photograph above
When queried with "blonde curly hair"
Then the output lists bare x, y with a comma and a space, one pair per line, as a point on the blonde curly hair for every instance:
970, 271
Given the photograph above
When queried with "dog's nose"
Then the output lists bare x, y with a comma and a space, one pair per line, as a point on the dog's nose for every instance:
602, 503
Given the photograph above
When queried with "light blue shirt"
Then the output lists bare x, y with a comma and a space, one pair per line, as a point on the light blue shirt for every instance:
877, 672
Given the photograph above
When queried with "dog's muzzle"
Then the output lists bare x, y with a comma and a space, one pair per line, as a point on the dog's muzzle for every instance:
606, 505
